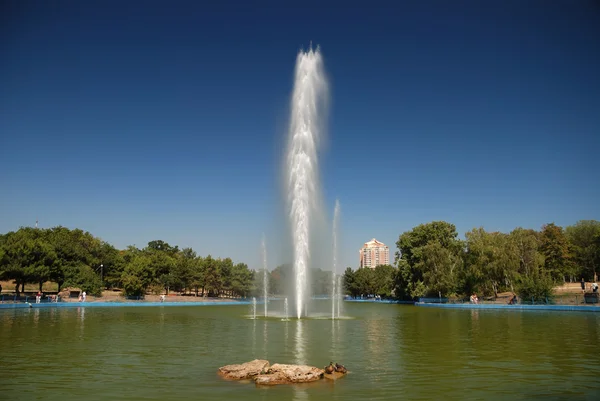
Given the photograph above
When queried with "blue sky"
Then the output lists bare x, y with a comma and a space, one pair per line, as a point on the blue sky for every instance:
166, 120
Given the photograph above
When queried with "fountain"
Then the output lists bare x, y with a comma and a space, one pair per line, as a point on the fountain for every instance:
265, 277
306, 119
335, 284
285, 310
253, 307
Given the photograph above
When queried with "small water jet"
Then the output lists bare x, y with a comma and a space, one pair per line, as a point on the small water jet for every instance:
253, 307
285, 310
306, 120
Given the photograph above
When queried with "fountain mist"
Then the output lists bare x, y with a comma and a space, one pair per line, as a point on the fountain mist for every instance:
310, 89
265, 278
335, 287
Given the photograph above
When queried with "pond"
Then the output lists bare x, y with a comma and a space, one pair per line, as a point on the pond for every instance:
392, 352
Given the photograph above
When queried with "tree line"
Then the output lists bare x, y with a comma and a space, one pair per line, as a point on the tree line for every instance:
432, 261
74, 258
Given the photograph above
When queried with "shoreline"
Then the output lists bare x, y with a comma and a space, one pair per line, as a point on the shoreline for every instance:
519, 307
120, 303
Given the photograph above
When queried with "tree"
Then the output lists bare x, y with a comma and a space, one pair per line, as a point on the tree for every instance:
584, 237
279, 278
212, 276
184, 269
137, 275
349, 282
241, 280
384, 280
27, 257
555, 248
418, 256
525, 245
440, 267
320, 281
365, 281
491, 262
226, 273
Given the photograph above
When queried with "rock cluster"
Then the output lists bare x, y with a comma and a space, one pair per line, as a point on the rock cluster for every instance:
248, 370
263, 373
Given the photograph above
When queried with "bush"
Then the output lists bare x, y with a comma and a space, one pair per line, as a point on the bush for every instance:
537, 288
133, 286
85, 278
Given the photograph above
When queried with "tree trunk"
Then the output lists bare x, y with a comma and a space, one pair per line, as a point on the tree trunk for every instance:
41, 283
60, 283
23, 286
17, 288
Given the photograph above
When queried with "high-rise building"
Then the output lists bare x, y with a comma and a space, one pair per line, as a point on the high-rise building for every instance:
373, 254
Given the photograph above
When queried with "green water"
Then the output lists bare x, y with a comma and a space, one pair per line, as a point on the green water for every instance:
391, 351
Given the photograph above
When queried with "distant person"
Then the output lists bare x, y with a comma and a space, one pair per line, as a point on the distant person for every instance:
162, 298
582, 284
83, 296
38, 297
513, 300
594, 287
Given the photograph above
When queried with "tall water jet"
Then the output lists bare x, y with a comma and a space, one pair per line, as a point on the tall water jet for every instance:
305, 131
265, 278
335, 287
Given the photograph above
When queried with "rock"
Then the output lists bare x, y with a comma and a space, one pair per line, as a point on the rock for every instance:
286, 374
246, 370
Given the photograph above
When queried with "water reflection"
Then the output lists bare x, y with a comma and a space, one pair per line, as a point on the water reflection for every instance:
81, 319
380, 338
266, 356
36, 317
335, 338
300, 346
299, 392
254, 337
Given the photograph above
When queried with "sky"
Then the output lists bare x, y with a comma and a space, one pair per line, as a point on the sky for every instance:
139, 121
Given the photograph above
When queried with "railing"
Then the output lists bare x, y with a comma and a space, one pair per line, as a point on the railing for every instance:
570, 299
13, 298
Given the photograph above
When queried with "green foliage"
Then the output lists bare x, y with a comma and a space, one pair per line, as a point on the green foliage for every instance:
84, 277
349, 282
584, 238
137, 275
364, 282
555, 248
280, 276
429, 260
536, 288
491, 262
